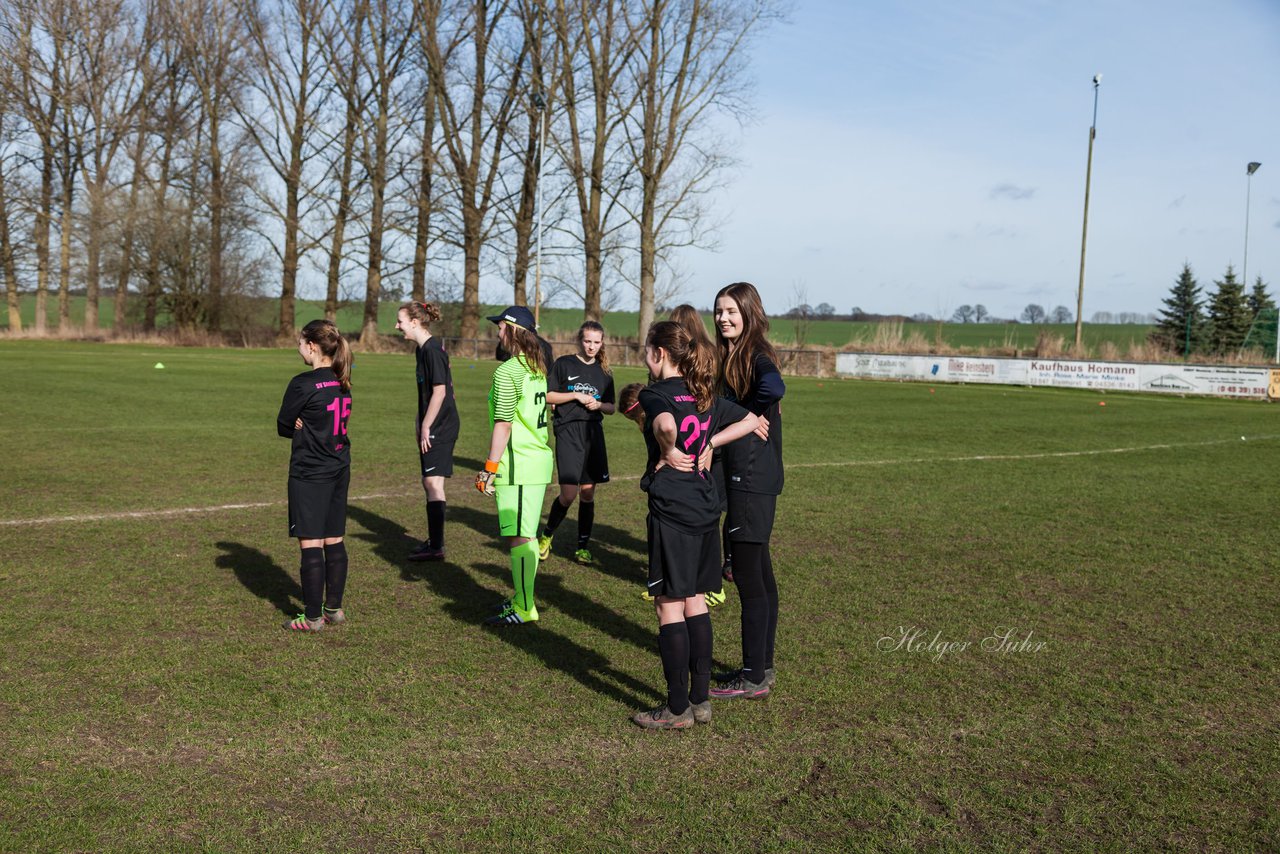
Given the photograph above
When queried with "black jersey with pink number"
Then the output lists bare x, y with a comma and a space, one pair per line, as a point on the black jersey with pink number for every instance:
686, 500
321, 449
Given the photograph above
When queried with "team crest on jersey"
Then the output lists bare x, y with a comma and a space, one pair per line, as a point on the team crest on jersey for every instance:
585, 388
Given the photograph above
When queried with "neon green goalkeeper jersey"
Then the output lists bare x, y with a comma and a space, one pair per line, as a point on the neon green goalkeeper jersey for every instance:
519, 396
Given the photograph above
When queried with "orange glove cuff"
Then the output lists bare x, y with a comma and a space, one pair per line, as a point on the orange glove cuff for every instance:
491, 466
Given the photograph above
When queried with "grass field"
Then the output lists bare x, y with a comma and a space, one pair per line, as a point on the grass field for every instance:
150, 700
559, 324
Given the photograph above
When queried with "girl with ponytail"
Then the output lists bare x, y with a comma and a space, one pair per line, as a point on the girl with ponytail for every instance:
684, 421
436, 427
314, 414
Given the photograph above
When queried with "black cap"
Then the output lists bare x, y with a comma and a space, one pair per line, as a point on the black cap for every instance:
517, 314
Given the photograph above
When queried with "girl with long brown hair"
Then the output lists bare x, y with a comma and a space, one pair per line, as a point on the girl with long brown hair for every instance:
580, 386
436, 428
518, 467
749, 376
314, 414
684, 421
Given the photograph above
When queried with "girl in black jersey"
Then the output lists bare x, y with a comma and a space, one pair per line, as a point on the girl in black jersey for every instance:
749, 376
688, 317
314, 414
436, 428
684, 421
580, 386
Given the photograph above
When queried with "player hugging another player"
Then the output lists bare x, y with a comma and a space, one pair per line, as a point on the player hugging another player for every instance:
436, 429
749, 376
580, 386
314, 415
684, 422
518, 467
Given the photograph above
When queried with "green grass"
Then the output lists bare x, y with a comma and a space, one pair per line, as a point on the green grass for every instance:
560, 324
150, 700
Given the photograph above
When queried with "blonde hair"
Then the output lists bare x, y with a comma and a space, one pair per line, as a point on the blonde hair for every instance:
326, 336
602, 357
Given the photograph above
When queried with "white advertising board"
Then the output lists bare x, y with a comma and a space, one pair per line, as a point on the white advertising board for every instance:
1218, 380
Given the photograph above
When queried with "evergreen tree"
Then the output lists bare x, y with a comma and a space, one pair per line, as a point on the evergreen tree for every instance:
1229, 315
1181, 325
1259, 299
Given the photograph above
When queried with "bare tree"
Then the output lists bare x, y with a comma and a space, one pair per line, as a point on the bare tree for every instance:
8, 265
390, 29
215, 39
476, 97
36, 42
597, 36
344, 35
288, 76
689, 65
107, 67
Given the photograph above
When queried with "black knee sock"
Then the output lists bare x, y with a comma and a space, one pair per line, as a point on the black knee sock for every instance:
771, 591
673, 645
435, 524
586, 518
748, 572
555, 517
312, 573
335, 575
699, 657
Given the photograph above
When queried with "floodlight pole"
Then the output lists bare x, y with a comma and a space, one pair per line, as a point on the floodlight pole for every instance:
541, 105
1084, 236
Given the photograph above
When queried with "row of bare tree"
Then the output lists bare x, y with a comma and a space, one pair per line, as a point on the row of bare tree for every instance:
179, 154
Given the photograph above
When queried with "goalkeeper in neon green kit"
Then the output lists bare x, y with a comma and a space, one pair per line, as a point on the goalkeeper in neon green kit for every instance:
519, 464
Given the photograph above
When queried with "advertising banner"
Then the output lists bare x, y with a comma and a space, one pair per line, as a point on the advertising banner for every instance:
1215, 380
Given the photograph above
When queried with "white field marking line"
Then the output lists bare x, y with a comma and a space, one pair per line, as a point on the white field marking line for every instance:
186, 511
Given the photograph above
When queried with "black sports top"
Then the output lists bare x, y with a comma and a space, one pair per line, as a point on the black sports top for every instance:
752, 464
685, 500
433, 370
321, 449
571, 374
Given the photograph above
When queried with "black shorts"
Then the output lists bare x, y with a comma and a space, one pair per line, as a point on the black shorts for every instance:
437, 462
682, 565
318, 508
580, 453
750, 518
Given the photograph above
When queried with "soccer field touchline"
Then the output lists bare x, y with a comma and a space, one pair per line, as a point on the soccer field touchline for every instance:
408, 492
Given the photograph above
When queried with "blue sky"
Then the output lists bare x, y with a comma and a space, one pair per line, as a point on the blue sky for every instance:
916, 156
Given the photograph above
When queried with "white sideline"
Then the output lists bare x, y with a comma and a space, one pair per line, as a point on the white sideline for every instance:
185, 511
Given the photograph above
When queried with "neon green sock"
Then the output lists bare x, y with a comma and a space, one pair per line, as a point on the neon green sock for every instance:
524, 568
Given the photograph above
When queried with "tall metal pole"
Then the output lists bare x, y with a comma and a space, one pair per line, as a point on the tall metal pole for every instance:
1084, 236
541, 104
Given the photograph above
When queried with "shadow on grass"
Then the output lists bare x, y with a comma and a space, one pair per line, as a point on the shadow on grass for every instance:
261, 576
468, 602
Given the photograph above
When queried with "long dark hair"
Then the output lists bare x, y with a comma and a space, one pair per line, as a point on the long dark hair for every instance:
326, 336
737, 364
696, 361
601, 357
526, 343
688, 317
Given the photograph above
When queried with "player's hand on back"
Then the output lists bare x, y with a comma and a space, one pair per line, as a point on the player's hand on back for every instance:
762, 427
678, 459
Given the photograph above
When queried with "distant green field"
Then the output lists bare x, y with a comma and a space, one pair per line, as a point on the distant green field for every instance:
560, 324
929, 539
